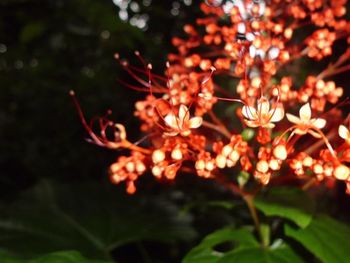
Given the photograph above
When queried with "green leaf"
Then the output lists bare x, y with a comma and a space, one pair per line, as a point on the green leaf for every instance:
246, 249
56, 257
32, 31
325, 237
92, 220
281, 254
222, 204
290, 203
205, 252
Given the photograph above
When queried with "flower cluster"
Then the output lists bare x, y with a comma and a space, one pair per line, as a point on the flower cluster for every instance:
257, 44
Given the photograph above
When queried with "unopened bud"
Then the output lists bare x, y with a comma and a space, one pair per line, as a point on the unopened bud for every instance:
227, 150
307, 162
262, 166
157, 171
130, 167
234, 156
274, 165
342, 172
280, 152
158, 156
176, 154
210, 166
220, 161
318, 169
200, 165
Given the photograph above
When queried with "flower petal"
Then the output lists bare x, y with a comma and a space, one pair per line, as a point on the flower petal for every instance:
269, 125
171, 134
315, 134
249, 113
195, 122
263, 106
344, 132
277, 114
319, 123
184, 114
305, 112
293, 119
122, 132
300, 131
252, 124
171, 121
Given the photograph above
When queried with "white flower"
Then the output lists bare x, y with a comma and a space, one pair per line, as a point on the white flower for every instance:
181, 124
305, 123
263, 116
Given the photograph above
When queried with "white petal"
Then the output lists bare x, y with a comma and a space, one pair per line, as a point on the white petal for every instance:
195, 122
305, 112
263, 106
262, 7
252, 124
293, 119
227, 7
261, 53
122, 132
170, 134
241, 28
250, 36
171, 121
184, 114
242, 9
252, 51
300, 131
319, 123
249, 113
273, 53
269, 125
277, 114
315, 134
344, 132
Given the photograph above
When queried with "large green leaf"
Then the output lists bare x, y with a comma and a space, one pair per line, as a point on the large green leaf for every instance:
93, 220
205, 252
326, 238
56, 257
281, 254
245, 249
290, 203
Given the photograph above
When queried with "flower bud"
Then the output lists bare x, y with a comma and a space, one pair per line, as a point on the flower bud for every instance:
280, 152
158, 156
234, 156
176, 154
220, 161
262, 166
341, 172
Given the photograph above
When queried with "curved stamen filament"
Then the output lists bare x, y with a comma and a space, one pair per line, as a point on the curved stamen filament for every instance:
326, 141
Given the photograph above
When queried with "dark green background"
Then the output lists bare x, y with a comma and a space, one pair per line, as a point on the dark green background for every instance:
53, 46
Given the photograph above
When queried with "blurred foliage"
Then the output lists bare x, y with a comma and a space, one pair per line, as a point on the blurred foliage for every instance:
53, 187
93, 220
48, 48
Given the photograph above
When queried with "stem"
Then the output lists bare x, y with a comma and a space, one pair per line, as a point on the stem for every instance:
249, 199
220, 124
133, 147
331, 72
308, 184
311, 149
217, 128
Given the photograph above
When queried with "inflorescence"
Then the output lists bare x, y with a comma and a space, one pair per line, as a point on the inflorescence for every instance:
246, 53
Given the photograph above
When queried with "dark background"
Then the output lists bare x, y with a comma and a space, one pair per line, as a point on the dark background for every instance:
48, 48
